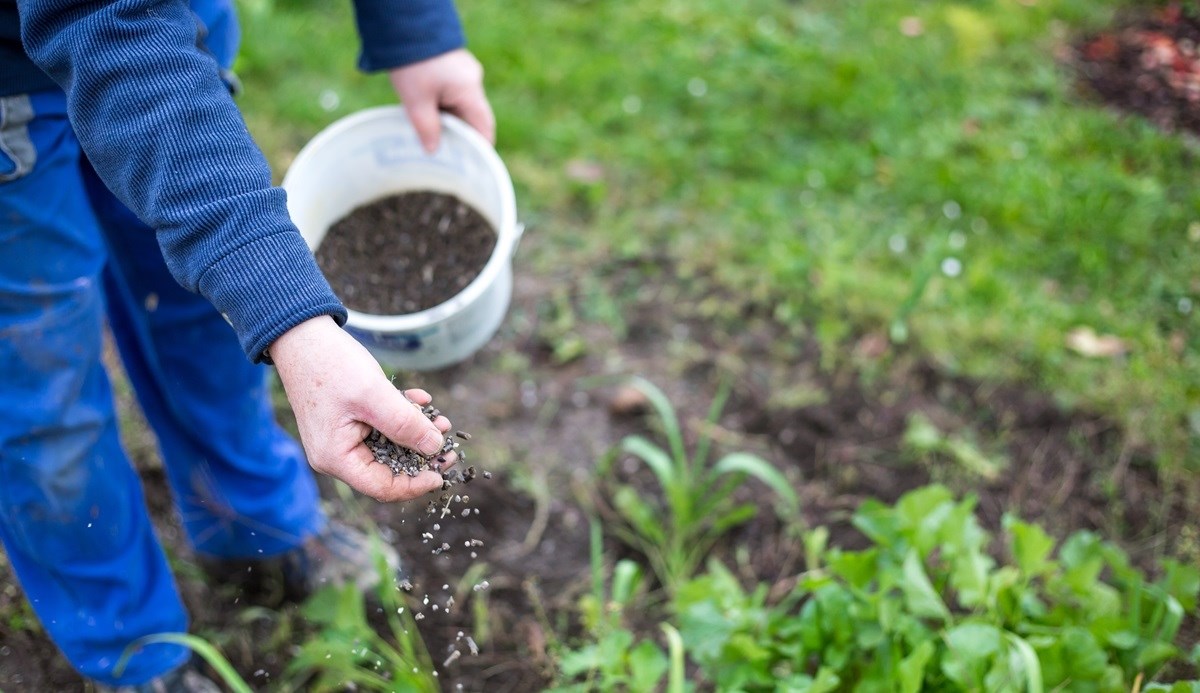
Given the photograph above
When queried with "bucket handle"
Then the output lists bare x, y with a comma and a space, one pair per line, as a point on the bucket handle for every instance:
520, 232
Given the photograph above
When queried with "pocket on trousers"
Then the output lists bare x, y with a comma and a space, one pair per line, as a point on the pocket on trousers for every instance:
17, 153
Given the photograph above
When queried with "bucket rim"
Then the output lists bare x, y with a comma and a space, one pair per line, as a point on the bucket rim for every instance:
508, 231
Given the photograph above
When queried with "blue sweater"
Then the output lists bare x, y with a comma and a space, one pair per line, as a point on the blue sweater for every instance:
162, 131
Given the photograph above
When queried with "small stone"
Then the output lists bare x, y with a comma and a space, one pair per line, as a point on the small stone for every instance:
628, 401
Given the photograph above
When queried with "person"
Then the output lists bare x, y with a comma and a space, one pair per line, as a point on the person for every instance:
130, 191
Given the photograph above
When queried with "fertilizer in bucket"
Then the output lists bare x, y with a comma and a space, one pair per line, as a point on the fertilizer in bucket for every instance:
418, 246
405, 253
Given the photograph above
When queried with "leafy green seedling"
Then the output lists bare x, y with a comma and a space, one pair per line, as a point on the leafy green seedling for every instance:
924, 441
928, 606
348, 651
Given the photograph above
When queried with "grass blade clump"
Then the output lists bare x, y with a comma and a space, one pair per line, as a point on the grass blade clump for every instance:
697, 506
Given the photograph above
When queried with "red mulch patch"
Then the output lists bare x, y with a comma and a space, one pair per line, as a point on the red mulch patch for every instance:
1149, 64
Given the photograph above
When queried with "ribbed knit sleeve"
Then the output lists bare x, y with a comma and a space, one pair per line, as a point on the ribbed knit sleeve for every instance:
400, 32
162, 132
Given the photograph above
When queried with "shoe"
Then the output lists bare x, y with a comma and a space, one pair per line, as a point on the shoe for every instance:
337, 555
185, 679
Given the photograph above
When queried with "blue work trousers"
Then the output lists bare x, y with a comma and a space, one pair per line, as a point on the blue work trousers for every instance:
73, 519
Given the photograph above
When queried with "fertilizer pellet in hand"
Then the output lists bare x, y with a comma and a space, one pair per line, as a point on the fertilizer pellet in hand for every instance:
404, 460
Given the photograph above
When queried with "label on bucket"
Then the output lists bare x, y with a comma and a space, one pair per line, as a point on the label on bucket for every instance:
430, 340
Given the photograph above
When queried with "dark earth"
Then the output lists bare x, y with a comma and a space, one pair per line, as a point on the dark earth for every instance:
545, 402
405, 253
1150, 65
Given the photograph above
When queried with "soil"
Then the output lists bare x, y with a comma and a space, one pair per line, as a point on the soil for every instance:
405, 253
518, 561
1149, 64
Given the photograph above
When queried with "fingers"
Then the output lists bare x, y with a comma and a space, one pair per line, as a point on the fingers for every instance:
452, 81
365, 475
423, 112
477, 113
395, 417
422, 398
449, 460
418, 396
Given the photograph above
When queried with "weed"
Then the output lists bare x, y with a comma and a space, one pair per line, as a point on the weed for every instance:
557, 329
200, 646
347, 651
16, 613
698, 504
613, 658
923, 441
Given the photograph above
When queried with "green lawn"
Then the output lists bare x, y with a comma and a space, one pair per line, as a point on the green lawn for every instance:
953, 189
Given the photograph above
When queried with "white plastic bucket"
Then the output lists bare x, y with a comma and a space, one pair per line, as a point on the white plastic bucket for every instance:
375, 153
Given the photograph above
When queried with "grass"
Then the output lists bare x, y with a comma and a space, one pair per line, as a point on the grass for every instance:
200, 646
953, 189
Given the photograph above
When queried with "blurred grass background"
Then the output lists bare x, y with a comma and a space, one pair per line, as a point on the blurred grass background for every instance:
947, 184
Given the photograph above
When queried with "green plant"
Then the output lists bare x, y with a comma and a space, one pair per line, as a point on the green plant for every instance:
927, 607
17, 614
613, 658
923, 441
698, 504
558, 328
200, 646
347, 651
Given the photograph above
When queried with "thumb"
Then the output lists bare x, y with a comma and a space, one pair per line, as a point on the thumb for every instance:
424, 116
403, 423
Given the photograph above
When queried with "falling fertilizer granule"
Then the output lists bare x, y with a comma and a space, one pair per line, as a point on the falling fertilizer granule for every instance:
449, 503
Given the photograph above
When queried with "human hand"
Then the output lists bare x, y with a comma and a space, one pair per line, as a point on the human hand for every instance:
451, 82
339, 393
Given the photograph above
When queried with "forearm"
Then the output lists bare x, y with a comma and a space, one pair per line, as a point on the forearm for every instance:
158, 125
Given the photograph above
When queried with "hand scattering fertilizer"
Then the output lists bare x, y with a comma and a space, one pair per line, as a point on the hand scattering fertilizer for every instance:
419, 247
404, 460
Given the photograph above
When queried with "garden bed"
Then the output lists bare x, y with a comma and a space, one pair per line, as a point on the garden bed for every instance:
842, 434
